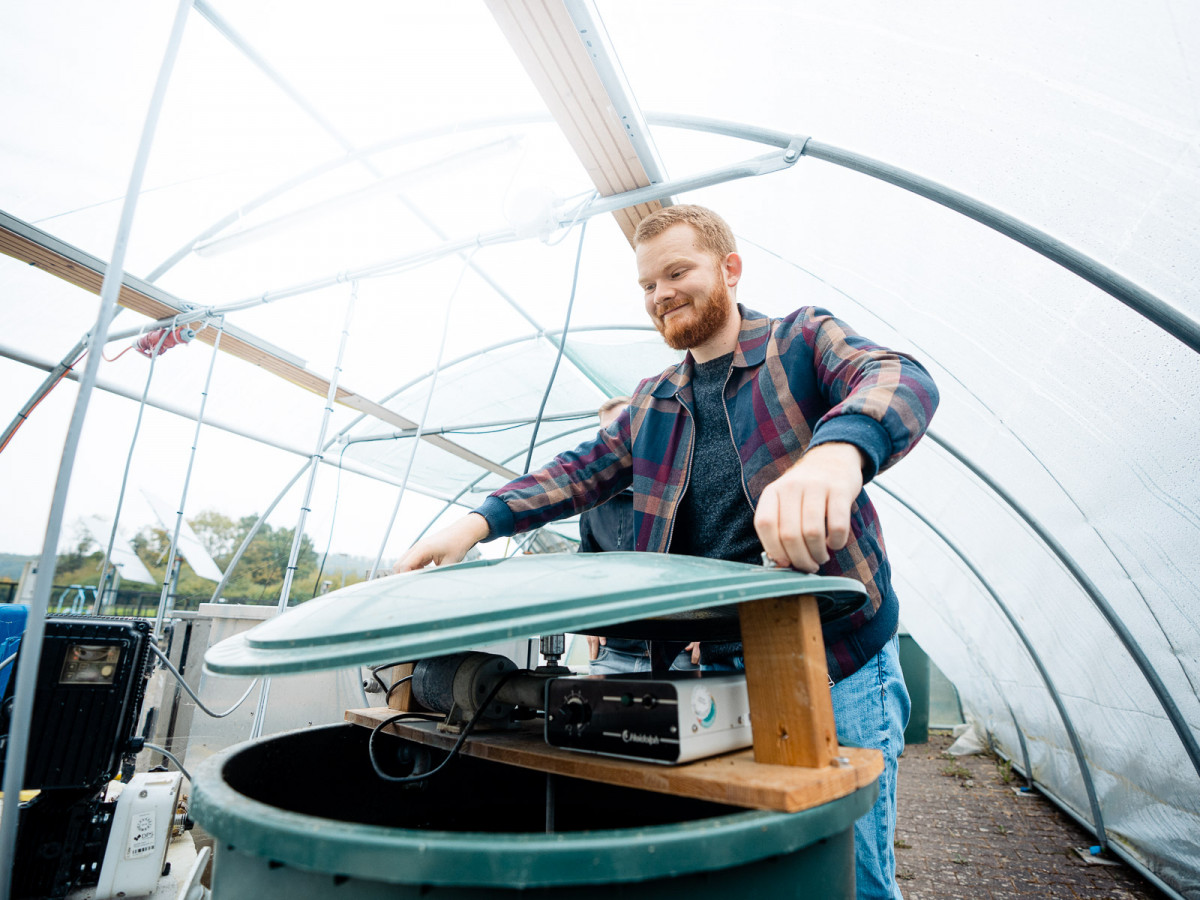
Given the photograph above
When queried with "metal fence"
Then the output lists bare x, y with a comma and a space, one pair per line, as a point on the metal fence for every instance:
80, 599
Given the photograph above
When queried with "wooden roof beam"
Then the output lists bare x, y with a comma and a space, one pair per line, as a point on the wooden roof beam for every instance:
562, 46
38, 248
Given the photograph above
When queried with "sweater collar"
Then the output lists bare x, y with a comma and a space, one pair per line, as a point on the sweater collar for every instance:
751, 350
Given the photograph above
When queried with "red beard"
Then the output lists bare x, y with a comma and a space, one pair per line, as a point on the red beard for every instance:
707, 316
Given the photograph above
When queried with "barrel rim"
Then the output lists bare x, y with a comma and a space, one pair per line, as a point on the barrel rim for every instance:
484, 859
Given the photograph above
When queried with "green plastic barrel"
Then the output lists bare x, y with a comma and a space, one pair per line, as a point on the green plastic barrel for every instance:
303, 815
914, 663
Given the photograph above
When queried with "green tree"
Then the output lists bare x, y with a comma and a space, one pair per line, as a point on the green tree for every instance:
258, 576
81, 563
265, 560
219, 534
151, 544
78, 553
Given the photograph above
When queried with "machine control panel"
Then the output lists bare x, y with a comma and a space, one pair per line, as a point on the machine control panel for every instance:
676, 718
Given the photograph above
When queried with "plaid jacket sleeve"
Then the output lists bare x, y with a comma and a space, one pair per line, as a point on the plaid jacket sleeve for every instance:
570, 483
879, 399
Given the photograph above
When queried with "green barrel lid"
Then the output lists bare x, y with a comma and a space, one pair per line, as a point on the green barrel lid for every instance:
445, 610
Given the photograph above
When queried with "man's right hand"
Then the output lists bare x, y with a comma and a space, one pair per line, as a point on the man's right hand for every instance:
594, 644
447, 546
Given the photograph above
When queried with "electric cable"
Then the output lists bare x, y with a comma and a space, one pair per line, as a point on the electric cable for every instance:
375, 670
112, 359
187, 687
171, 756
387, 695
337, 491
481, 430
468, 429
467, 729
167, 597
588, 198
387, 689
24, 415
137, 429
562, 343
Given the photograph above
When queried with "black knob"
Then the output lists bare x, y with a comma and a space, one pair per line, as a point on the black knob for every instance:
575, 711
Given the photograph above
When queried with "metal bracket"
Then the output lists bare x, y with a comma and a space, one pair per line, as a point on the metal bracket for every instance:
758, 165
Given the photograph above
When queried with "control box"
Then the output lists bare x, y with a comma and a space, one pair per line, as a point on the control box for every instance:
87, 701
677, 718
91, 681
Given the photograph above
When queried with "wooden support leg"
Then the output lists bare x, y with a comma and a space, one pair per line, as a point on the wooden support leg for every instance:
791, 711
402, 698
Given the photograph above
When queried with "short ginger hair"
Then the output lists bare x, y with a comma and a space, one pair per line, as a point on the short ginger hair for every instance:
713, 232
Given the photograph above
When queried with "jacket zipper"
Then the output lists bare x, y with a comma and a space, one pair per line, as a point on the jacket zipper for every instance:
687, 478
736, 452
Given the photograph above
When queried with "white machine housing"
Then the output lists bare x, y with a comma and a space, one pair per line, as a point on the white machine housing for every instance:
141, 834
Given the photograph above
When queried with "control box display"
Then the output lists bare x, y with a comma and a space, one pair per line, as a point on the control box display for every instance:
87, 700
670, 719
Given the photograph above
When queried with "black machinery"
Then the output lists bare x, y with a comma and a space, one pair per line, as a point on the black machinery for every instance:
665, 717
88, 698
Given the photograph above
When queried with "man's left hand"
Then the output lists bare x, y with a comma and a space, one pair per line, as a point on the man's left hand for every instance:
805, 513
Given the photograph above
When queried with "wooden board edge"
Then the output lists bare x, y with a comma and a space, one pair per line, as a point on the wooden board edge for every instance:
734, 779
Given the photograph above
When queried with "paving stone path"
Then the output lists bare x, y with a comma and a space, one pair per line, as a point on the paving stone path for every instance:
962, 833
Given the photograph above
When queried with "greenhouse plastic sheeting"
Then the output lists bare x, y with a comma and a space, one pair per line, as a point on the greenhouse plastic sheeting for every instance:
396, 162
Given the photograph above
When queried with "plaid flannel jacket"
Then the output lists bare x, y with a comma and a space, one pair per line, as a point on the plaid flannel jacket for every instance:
795, 382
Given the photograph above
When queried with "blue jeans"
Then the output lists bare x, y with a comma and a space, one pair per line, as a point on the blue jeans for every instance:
871, 709
615, 660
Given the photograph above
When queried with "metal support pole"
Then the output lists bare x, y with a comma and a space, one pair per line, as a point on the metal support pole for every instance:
254, 529
1190, 744
1024, 749
1068, 725
137, 429
298, 536
578, 415
265, 440
457, 497
1170, 319
56, 375
162, 603
260, 62
31, 652
437, 365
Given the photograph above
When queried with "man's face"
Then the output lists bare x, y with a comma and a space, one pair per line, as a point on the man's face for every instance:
686, 295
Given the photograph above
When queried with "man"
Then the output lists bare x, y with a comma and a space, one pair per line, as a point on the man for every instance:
760, 440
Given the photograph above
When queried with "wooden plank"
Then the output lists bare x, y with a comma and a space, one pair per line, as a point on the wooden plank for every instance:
546, 41
734, 778
787, 681
401, 699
